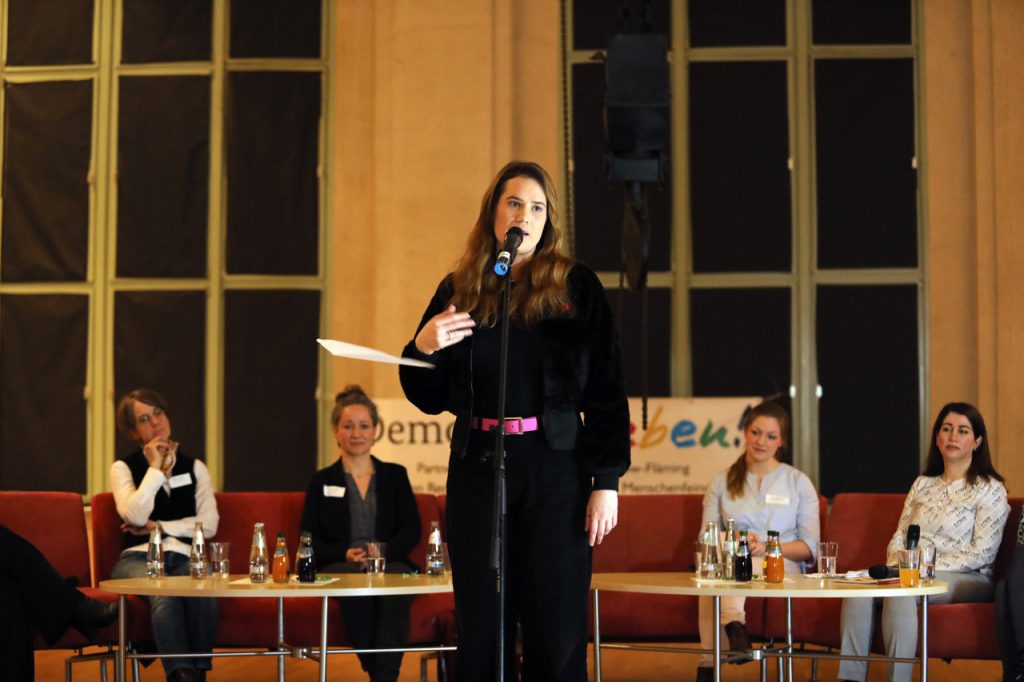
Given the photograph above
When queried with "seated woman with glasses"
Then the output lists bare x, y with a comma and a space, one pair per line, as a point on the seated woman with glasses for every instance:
158, 484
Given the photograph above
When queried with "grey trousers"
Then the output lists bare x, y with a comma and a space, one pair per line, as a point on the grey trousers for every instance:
899, 623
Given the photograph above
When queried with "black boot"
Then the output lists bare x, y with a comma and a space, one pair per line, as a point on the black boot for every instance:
705, 674
739, 641
91, 616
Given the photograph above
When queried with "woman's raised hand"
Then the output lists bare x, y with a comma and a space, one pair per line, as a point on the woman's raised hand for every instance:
443, 330
160, 453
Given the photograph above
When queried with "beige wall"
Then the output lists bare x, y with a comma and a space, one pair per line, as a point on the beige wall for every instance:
430, 97
974, 149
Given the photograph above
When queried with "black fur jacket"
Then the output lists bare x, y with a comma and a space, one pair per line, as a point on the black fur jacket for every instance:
582, 374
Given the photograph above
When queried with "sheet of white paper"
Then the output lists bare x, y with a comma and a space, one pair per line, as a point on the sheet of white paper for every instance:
351, 350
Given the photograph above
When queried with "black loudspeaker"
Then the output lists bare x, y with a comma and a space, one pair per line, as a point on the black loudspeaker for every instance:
637, 106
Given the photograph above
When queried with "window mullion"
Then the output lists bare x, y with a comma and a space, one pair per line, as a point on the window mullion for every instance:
103, 226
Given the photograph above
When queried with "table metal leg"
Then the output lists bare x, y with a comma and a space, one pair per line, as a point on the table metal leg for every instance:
717, 639
924, 638
280, 638
323, 641
789, 639
597, 636
119, 661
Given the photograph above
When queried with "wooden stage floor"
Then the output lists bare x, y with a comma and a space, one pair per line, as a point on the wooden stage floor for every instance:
617, 666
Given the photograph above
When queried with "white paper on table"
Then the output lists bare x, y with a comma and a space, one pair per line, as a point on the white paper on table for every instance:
351, 350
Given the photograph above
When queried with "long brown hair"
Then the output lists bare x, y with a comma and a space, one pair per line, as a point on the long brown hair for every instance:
981, 460
542, 290
737, 474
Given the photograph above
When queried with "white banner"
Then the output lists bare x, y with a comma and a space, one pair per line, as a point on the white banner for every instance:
687, 441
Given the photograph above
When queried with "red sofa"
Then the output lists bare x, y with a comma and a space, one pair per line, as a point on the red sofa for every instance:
862, 523
657, 532
55, 523
253, 622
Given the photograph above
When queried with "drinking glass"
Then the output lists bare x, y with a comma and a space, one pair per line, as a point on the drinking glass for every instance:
927, 563
710, 553
828, 556
910, 567
220, 566
447, 559
376, 557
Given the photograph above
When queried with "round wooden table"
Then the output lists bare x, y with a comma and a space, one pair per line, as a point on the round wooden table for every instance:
239, 587
795, 587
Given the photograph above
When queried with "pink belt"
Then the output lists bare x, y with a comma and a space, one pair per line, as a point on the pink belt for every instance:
514, 426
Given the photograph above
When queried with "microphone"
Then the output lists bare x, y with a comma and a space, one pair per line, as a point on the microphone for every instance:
913, 535
513, 238
883, 572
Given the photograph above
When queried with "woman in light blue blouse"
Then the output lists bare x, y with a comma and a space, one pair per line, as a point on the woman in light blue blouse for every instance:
760, 493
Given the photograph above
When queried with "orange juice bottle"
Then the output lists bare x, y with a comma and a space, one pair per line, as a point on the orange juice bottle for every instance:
281, 562
774, 568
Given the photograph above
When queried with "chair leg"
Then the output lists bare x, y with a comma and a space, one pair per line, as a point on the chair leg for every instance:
437, 656
80, 655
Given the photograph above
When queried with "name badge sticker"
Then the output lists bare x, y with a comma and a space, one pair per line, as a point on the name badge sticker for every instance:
180, 480
334, 491
781, 500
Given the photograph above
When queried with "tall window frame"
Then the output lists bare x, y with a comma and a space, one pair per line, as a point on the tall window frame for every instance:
102, 284
804, 276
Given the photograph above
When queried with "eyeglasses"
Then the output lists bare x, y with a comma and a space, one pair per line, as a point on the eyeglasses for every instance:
146, 418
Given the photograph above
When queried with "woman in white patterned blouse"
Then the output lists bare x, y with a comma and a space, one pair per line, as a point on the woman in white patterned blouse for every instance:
960, 504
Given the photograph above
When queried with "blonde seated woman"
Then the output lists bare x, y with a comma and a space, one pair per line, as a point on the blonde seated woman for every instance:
760, 493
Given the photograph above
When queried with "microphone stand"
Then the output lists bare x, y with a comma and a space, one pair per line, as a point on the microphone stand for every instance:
498, 540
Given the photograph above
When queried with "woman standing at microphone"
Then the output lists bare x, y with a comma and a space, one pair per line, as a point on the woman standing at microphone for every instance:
959, 503
563, 471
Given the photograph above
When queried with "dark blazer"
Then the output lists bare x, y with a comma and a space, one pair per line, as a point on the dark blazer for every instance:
582, 374
328, 519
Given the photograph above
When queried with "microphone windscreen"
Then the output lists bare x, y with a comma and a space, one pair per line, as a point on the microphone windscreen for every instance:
913, 535
883, 572
514, 237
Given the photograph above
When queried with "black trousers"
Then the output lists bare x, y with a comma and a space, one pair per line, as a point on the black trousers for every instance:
1010, 615
34, 597
547, 560
376, 623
